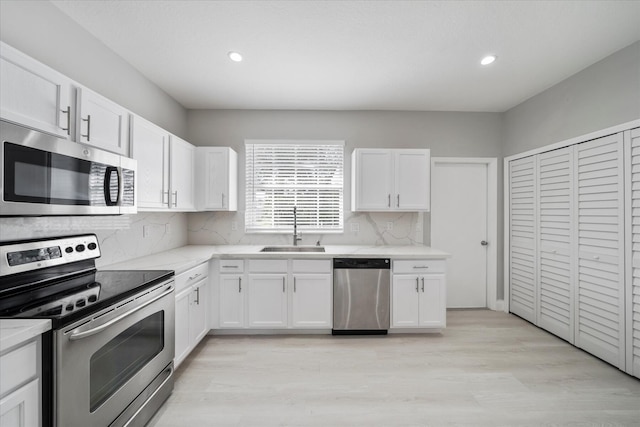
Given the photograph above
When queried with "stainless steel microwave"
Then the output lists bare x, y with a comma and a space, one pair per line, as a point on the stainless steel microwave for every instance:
46, 175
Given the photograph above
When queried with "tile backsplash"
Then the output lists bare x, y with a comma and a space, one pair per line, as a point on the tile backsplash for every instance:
361, 228
121, 237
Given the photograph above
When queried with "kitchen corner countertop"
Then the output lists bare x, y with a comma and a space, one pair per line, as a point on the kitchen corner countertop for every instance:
17, 331
186, 257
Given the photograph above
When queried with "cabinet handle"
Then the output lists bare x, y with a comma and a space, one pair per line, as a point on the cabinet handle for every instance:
175, 199
398, 202
229, 266
68, 113
417, 283
596, 257
198, 295
88, 120
163, 194
283, 284
388, 200
420, 266
195, 277
423, 284
239, 284
294, 284
222, 199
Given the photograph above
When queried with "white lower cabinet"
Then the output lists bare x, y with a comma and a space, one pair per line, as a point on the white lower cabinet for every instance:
192, 306
267, 300
312, 300
275, 294
418, 294
20, 385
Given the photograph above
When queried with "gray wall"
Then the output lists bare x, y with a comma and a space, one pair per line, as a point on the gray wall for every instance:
42, 31
603, 95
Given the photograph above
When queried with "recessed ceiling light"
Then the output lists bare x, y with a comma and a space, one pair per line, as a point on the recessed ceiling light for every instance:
489, 59
234, 56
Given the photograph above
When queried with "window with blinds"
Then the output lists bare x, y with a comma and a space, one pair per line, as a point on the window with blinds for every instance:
306, 174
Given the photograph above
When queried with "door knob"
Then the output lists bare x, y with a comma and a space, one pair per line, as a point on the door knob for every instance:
484, 243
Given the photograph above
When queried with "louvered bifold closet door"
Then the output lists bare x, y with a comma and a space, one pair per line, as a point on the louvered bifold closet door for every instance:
600, 233
522, 226
555, 219
633, 267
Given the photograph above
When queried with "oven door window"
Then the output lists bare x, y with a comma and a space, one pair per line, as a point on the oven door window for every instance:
124, 356
37, 176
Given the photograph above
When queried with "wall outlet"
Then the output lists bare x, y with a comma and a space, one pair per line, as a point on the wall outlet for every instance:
389, 226
234, 225
355, 227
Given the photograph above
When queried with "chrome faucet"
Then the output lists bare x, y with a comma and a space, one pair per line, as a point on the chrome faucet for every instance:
296, 236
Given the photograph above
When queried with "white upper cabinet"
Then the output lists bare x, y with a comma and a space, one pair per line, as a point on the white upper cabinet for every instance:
165, 168
217, 179
150, 147
102, 123
182, 173
34, 95
390, 180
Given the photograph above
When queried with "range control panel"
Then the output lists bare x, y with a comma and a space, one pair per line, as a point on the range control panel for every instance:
18, 257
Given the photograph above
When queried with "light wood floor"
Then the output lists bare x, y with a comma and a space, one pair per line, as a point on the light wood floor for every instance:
486, 369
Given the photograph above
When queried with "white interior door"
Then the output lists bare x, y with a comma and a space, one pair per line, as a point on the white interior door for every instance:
458, 226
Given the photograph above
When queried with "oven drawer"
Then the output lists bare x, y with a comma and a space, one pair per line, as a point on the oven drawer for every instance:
189, 277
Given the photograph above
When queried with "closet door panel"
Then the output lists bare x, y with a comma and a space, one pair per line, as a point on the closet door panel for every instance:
633, 256
522, 225
600, 241
555, 266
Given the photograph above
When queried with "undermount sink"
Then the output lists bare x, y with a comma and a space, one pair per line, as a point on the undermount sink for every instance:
292, 249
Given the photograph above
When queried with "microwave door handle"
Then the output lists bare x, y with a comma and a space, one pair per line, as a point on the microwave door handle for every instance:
107, 186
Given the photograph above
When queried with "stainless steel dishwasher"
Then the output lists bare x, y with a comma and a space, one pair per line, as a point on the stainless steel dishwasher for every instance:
361, 295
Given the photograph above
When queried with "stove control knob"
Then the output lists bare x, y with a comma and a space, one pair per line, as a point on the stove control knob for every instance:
81, 303
91, 246
93, 298
80, 248
69, 249
69, 307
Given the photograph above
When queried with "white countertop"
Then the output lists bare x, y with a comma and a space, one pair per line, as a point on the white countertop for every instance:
186, 257
17, 331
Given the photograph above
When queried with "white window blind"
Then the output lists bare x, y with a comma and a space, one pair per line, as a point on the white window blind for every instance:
306, 174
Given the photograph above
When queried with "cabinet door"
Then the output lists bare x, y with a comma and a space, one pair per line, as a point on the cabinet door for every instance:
214, 178
102, 123
150, 147
371, 170
232, 290
267, 301
600, 223
182, 333
22, 407
633, 266
433, 301
198, 326
33, 94
555, 261
182, 172
312, 301
412, 173
405, 301
522, 227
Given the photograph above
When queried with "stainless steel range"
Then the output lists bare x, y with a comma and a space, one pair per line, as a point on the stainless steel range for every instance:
109, 359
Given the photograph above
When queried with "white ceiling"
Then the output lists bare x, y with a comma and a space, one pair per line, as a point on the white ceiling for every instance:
358, 55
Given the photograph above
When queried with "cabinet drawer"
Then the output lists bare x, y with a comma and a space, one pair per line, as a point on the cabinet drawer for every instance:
18, 366
191, 276
268, 265
419, 266
231, 265
311, 266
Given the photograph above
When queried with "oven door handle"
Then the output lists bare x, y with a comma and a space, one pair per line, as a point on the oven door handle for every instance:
96, 330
